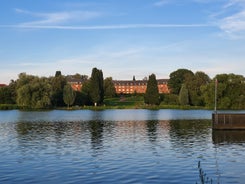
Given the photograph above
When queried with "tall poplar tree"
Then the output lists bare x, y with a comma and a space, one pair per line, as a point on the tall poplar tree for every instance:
97, 86
109, 88
184, 95
152, 93
69, 95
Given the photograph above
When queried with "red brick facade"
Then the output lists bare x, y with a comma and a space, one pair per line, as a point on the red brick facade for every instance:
139, 86
126, 86
3, 85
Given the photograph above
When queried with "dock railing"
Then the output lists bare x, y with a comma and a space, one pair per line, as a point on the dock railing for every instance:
228, 121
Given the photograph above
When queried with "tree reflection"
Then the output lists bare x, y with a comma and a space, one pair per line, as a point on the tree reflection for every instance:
183, 133
96, 131
152, 130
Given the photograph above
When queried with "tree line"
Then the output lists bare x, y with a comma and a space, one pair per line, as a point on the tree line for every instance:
186, 89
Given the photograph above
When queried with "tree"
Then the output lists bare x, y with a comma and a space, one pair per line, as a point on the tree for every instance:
109, 88
58, 82
58, 73
194, 84
230, 92
177, 78
86, 91
152, 94
184, 95
33, 92
68, 95
6, 95
96, 90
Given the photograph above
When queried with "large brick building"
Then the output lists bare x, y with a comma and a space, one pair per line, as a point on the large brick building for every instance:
138, 86
126, 86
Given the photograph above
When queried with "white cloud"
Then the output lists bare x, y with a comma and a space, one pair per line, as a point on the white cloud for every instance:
230, 19
104, 27
56, 18
234, 25
162, 2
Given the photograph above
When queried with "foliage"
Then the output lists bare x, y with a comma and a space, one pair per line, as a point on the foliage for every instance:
184, 95
8, 106
109, 88
58, 82
96, 88
194, 84
177, 78
69, 95
152, 95
86, 92
33, 92
81, 99
230, 92
6, 95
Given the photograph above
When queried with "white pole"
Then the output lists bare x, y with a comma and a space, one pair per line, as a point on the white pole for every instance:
215, 96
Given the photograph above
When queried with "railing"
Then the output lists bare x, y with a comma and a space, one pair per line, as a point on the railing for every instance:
228, 121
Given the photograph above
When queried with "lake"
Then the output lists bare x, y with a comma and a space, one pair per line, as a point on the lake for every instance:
117, 146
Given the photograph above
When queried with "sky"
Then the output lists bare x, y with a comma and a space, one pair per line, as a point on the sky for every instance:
123, 38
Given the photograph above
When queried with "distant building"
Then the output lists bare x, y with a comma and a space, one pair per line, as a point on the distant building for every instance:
126, 86
138, 86
76, 84
3, 85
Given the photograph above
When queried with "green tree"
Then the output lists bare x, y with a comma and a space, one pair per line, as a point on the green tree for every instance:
86, 92
109, 88
58, 82
33, 92
96, 90
6, 95
184, 95
230, 92
152, 94
194, 84
177, 78
68, 95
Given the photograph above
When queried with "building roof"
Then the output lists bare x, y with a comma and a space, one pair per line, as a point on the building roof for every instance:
3, 85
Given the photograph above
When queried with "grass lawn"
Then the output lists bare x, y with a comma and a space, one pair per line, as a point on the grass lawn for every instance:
125, 101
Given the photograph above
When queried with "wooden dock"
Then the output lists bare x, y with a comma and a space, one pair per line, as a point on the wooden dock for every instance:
228, 121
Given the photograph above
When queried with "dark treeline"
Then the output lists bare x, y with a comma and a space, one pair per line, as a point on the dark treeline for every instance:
186, 89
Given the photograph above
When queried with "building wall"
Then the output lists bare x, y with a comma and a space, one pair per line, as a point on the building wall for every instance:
128, 87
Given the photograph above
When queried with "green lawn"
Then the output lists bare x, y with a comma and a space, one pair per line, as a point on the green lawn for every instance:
128, 101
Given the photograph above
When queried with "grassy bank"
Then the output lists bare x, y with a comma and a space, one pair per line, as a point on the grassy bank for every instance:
8, 106
123, 102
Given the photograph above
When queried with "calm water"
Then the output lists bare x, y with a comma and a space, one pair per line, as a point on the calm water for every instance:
117, 146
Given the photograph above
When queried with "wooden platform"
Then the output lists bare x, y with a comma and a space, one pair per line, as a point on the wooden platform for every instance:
228, 121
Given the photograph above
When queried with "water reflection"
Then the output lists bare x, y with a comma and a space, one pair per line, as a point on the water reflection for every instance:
96, 131
184, 135
152, 126
150, 151
228, 136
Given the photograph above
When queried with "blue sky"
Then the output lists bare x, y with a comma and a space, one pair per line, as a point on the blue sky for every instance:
121, 37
